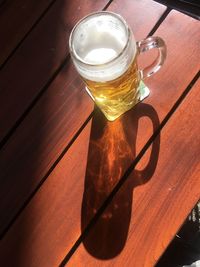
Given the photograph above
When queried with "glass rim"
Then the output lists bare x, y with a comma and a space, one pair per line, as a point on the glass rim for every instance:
82, 61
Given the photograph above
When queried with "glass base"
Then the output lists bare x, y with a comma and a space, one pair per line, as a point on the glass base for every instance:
143, 92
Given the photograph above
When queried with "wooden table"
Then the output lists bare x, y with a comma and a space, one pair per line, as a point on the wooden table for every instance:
76, 189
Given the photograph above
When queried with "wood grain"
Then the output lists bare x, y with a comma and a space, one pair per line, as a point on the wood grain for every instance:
16, 19
159, 207
36, 60
44, 134
42, 233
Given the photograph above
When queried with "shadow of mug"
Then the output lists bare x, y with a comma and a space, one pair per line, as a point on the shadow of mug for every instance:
112, 149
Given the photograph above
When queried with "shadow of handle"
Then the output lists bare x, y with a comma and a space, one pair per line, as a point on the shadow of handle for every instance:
107, 237
148, 171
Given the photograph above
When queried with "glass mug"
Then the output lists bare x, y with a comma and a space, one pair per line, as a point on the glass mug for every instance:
104, 52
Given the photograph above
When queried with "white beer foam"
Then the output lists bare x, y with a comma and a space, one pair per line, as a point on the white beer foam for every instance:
100, 55
99, 43
106, 72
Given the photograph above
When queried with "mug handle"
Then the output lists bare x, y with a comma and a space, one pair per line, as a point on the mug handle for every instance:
150, 43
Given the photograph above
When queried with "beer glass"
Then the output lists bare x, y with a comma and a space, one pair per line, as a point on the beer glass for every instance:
104, 52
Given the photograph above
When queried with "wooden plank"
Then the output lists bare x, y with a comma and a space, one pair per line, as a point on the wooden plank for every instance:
44, 134
37, 58
40, 140
143, 217
16, 19
41, 234
133, 15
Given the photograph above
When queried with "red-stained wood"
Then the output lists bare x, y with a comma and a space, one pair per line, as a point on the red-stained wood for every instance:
44, 231
47, 130
55, 211
39, 141
158, 208
16, 19
36, 60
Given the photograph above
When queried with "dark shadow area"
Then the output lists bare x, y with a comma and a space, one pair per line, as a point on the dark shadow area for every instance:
184, 250
21, 159
41, 93
189, 7
112, 149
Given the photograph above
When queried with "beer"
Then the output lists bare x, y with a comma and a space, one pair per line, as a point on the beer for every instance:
104, 52
114, 90
109, 70
116, 96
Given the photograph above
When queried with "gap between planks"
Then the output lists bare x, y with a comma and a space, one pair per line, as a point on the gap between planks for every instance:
27, 34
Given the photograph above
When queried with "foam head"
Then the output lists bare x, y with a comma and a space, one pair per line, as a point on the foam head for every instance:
102, 46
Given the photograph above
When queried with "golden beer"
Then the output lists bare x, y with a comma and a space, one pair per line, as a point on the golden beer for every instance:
104, 53
117, 96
